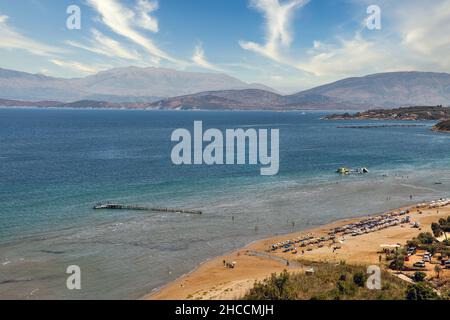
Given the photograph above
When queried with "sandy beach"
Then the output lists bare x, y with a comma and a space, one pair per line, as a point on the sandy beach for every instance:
213, 281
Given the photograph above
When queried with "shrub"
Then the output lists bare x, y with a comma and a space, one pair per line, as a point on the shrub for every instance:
414, 243
419, 276
426, 238
420, 291
360, 278
345, 289
330, 281
274, 288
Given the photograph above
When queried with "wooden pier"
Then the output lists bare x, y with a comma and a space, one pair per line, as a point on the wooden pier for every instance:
117, 206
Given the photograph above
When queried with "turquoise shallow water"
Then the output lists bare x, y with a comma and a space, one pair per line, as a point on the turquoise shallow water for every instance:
55, 164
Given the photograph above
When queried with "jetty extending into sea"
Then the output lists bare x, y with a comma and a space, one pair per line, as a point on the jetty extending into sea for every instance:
118, 206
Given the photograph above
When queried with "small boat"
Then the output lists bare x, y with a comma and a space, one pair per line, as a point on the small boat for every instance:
345, 171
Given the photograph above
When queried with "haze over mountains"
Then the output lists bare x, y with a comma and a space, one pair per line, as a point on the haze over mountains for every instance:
385, 90
130, 84
390, 89
158, 88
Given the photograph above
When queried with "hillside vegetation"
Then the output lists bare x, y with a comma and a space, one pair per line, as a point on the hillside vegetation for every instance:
406, 113
329, 282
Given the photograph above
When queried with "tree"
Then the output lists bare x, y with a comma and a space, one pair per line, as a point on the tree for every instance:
426, 238
436, 228
398, 262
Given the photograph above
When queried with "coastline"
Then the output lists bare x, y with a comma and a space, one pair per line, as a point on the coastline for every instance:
254, 262
440, 130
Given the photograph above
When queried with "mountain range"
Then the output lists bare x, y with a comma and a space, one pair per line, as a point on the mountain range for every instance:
130, 84
158, 88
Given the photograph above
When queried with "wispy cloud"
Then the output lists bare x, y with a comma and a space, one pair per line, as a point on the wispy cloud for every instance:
412, 41
347, 56
409, 40
146, 20
10, 38
200, 59
424, 34
278, 18
122, 20
103, 45
78, 67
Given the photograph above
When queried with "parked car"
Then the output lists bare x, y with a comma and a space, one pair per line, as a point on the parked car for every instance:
419, 264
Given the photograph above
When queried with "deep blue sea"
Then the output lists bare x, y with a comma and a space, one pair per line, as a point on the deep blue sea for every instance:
56, 164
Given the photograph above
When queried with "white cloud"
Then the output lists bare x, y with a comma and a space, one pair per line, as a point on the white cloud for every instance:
78, 67
146, 21
409, 40
103, 45
347, 56
12, 39
278, 18
200, 59
122, 20
424, 29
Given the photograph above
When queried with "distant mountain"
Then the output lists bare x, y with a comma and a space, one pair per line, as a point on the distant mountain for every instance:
16, 103
139, 88
129, 84
81, 104
251, 99
160, 82
389, 90
227, 99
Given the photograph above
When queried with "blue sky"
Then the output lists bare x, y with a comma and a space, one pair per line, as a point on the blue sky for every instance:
287, 44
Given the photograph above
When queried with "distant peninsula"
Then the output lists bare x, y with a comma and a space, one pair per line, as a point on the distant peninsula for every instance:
443, 126
438, 113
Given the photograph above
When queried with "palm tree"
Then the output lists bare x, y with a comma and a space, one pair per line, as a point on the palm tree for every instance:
438, 270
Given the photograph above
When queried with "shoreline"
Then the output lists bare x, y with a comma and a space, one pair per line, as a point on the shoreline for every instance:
440, 130
210, 280
178, 110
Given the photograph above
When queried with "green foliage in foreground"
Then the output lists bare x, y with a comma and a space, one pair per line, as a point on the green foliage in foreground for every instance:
329, 282
421, 291
419, 276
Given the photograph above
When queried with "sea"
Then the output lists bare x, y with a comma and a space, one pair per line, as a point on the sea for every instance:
56, 164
